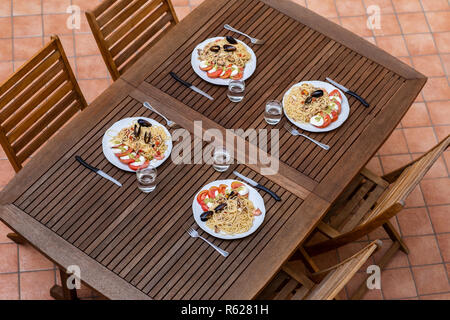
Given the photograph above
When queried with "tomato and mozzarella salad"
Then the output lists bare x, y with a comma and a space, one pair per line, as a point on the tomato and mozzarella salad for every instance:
324, 118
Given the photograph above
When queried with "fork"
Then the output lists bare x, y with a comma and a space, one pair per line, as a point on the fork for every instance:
194, 234
253, 40
169, 122
295, 132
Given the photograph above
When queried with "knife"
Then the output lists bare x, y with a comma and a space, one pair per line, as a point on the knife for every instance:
257, 185
353, 94
190, 86
97, 171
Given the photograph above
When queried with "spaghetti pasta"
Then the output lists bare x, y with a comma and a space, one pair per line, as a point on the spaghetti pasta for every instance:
222, 58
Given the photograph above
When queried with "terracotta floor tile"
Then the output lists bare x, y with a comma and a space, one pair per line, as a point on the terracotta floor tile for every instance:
397, 284
35, 285
420, 44
4, 230
6, 52
415, 198
22, 7
5, 28
91, 67
431, 279
86, 4
437, 170
444, 246
68, 43
350, 8
6, 69
389, 26
300, 2
399, 260
5, 9
356, 281
55, 6
439, 112
436, 89
325, 8
442, 41
25, 48
384, 5
446, 61
30, 259
417, 116
27, 26
414, 221
391, 163
395, 144
433, 5
8, 254
423, 250
440, 218
442, 132
56, 24
85, 45
180, 2
436, 191
374, 165
84, 26
439, 21
420, 139
407, 5
9, 286
195, 3
439, 296
380, 234
182, 12
394, 45
7, 172
413, 22
356, 25
430, 66
92, 88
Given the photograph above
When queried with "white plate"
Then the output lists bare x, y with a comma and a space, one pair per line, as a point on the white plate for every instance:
254, 196
114, 130
248, 71
345, 108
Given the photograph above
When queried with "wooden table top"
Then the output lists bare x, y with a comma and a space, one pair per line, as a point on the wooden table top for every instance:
134, 246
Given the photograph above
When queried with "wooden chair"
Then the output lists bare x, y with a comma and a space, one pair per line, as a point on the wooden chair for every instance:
126, 29
36, 101
295, 283
370, 202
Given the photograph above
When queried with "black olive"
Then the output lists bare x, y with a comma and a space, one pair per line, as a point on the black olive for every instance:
215, 48
229, 48
144, 123
231, 40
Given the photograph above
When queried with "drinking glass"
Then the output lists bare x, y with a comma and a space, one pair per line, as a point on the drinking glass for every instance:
236, 90
146, 179
273, 112
221, 158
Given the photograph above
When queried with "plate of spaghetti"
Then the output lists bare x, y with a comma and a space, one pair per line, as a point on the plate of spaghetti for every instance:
136, 143
316, 106
228, 209
221, 59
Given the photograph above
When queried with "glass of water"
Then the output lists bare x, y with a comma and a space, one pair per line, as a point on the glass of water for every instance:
221, 158
273, 112
236, 90
146, 179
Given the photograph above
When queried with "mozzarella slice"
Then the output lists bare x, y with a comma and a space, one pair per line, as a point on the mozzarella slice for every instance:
333, 105
203, 64
338, 99
120, 150
214, 69
243, 190
235, 71
317, 121
114, 143
129, 156
139, 161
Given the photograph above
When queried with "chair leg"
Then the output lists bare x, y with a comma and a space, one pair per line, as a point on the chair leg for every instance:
16, 238
62, 292
393, 234
308, 261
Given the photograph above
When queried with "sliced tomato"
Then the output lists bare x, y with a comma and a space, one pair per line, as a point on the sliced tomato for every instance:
127, 161
334, 115
215, 74
159, 157
143, 166
327, 120
239, 76
223, 188
227, 74
338, 104
207, 68
125, 153
236, 184
202, 196
212, 192
336, 93
257, 212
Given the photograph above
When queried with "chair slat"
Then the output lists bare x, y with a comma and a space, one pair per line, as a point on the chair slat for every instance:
124, 15
108, 9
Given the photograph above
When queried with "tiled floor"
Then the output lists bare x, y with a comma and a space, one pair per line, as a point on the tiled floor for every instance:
416, 31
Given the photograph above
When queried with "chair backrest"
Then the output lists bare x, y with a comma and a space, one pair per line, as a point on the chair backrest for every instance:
412, 174
126, 29
339, 275
37, 100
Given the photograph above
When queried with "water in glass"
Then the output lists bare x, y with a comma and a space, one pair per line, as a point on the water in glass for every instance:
221, 159
146, 179
273, 112
236, 90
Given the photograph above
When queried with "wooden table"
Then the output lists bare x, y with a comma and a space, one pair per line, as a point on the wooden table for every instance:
134, 246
